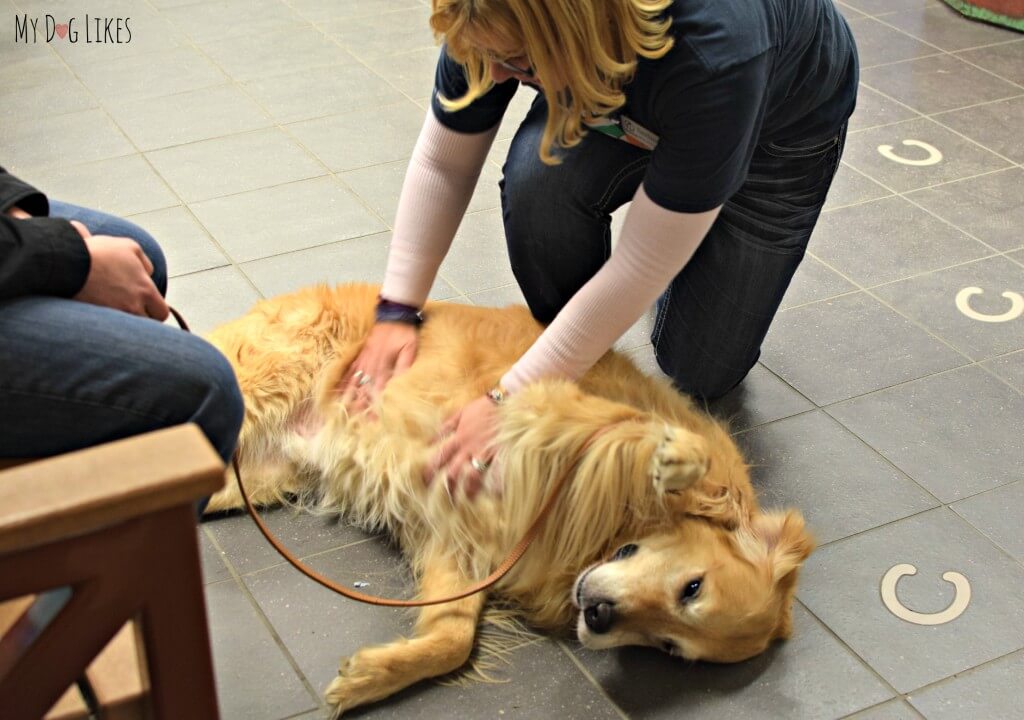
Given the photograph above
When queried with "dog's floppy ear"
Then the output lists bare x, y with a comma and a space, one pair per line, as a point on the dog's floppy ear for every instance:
785, 540
782, 541
785, 543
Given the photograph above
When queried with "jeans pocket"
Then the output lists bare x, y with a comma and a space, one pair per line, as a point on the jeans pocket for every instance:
801, 150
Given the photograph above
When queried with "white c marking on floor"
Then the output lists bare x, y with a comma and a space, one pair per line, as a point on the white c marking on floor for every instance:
961, 597
963, 305
934, 155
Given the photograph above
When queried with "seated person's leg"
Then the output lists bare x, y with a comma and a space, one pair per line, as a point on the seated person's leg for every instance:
73, 375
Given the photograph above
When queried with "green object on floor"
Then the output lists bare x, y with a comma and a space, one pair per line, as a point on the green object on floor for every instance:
978, 12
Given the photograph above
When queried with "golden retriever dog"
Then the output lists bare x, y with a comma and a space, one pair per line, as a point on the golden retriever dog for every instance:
657, 539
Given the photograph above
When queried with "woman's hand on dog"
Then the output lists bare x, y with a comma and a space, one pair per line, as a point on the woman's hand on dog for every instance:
467, 435
389, 350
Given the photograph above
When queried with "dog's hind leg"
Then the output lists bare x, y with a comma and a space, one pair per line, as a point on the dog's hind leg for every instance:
442, 643
266, 483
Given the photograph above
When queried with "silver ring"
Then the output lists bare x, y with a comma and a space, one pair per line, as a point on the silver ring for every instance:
479, 465
363, 379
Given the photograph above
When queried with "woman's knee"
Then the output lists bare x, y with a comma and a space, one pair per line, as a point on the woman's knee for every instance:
700, 377
527, 188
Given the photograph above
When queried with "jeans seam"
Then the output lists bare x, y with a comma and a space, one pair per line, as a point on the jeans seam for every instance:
837, 149
619, 178
659, 322
85, 403
784, 153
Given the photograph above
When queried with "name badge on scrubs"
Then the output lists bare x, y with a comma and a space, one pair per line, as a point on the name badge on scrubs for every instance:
626, 129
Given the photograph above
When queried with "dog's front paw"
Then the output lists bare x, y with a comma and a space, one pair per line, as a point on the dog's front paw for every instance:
680, 460
351, 688
363, 678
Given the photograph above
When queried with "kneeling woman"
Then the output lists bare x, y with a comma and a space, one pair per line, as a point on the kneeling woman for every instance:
723, 121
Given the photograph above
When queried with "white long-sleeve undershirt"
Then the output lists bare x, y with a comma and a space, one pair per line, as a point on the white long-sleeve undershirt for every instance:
439, 183
654, 245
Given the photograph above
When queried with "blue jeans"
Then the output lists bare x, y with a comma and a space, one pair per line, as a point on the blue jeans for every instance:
73, 375
714, 315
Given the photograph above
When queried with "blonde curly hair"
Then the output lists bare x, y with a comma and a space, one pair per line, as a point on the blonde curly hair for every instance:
583, 52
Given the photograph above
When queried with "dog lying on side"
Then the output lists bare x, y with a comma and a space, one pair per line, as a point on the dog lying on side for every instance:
656, 540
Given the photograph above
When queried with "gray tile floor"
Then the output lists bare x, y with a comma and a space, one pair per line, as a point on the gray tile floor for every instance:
264, 144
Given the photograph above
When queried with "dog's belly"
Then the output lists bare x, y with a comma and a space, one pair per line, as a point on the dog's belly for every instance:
372, 471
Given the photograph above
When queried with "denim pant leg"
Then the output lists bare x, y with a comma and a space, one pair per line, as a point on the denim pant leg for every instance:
714, 316
557, 218
73, 375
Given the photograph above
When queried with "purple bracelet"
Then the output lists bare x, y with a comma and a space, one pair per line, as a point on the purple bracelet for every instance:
389, 311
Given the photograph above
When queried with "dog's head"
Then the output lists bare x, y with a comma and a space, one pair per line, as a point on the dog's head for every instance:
700, 591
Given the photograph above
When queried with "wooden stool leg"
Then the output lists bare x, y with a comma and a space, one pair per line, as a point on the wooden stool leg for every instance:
175, 636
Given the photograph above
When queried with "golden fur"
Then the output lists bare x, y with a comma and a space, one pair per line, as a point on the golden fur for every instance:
663, 477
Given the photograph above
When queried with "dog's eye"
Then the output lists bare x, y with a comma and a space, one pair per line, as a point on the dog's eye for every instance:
670, 647
624, 552
690, 590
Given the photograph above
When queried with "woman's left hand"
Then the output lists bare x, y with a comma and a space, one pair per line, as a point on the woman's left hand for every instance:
465, 446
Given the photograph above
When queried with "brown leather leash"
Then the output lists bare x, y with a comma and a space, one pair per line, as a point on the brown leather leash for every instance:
499, 572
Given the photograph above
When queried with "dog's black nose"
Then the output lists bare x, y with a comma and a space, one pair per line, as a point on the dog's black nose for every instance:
599, 617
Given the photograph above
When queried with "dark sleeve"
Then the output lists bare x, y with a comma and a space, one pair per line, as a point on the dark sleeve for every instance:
41, 256
709, 132
16, 192
483, 113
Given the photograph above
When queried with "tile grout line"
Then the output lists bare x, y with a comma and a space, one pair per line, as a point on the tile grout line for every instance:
851, 168
924, 273
938, 53
966, 671
364, 203
1008, 555
304, 558
828, 629
911, 320
157, 173
877, 706
366, 206
292, 662
953, 53
240, 86
905, 696
983, 103
284, 128
591, 679
414, 100
931, 117
869, 292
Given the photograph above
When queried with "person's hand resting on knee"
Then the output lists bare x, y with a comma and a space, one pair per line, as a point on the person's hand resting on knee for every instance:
119, 273
119, 276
